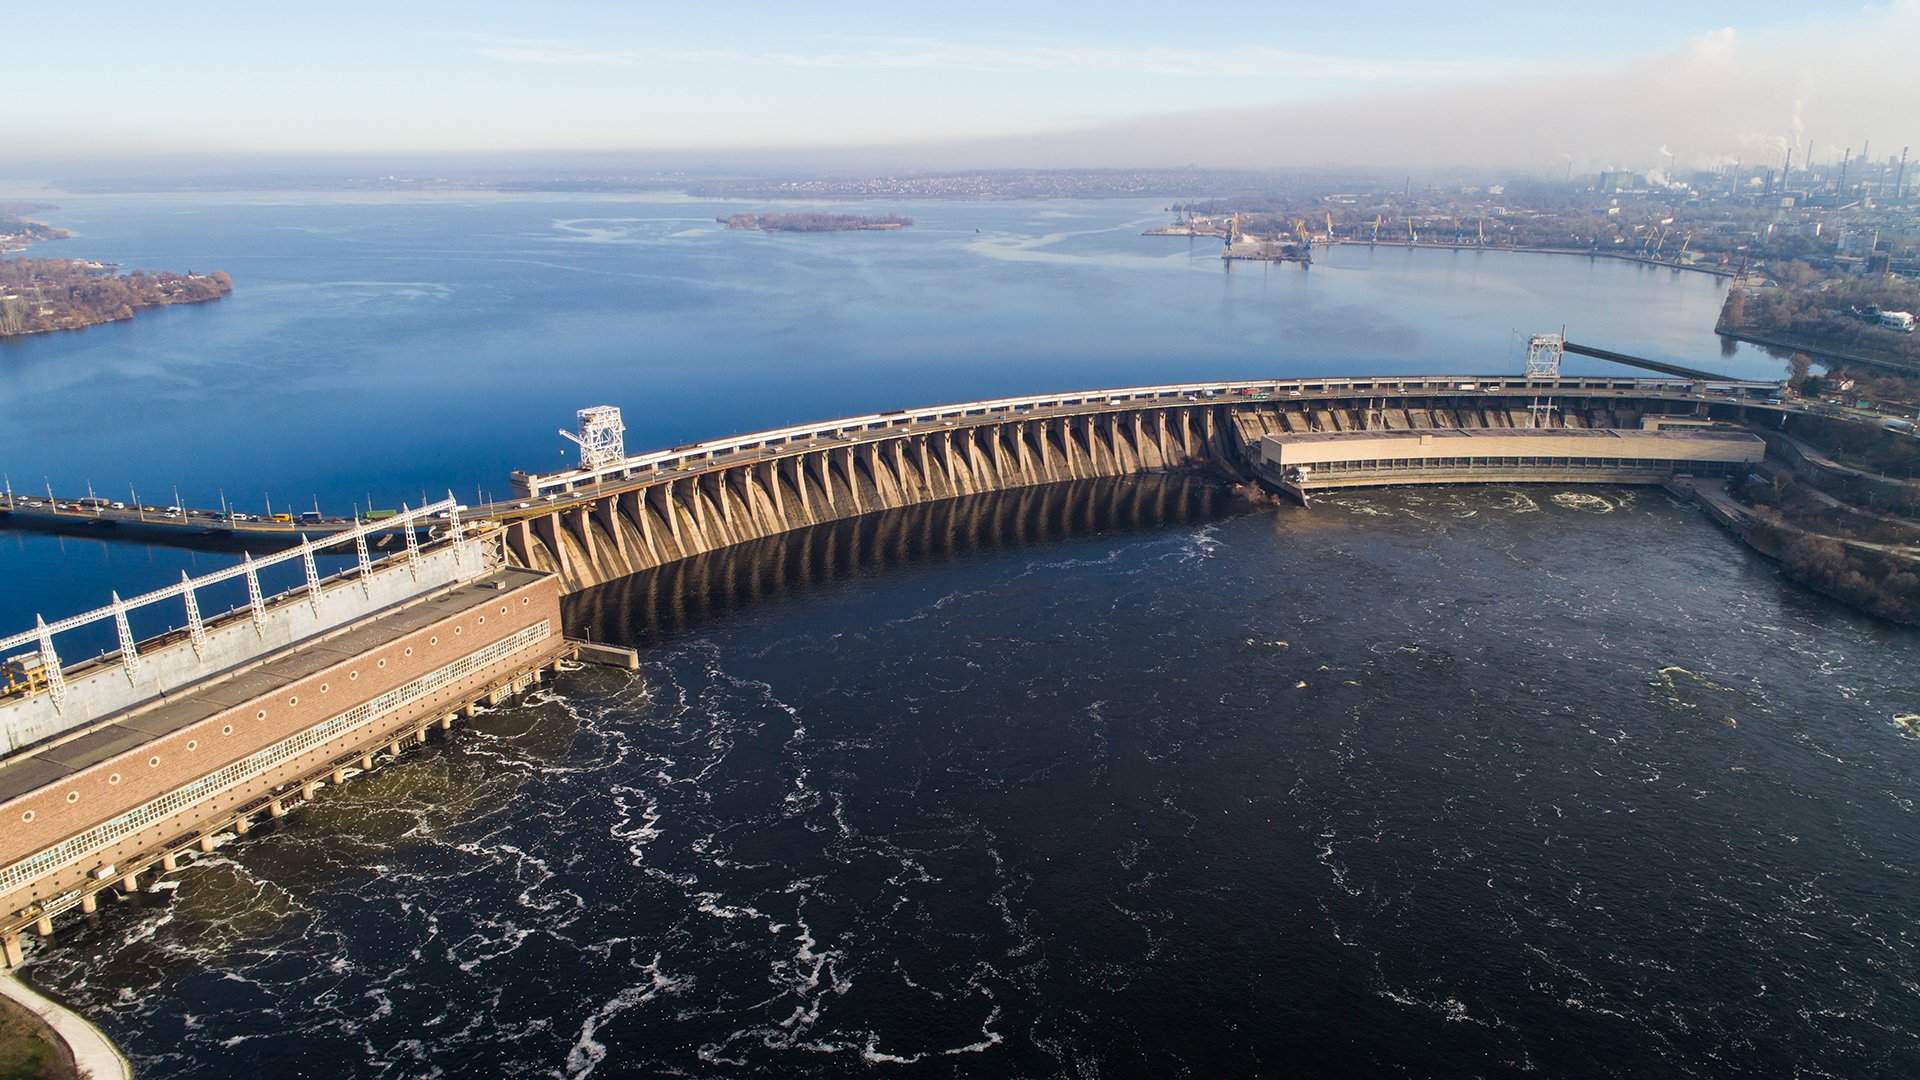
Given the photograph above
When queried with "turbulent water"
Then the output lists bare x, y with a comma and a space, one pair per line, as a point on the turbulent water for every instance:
1426, 783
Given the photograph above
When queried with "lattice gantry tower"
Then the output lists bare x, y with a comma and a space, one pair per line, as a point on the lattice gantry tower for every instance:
1543, 355
601, 436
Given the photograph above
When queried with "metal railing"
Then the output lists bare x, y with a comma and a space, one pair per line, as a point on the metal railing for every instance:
249, 568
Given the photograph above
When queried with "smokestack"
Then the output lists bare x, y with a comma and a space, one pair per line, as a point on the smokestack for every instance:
1788, 170
1844, 159
1899, 178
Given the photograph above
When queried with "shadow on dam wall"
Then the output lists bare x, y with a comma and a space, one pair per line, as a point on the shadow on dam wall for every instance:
654, 605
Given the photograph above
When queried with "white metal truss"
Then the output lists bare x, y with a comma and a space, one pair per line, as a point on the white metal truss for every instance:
413, 543
255, 601
129, 655
313, 573
457, 532
601, 436
196, 630
50, 664
366, 562
1543, 355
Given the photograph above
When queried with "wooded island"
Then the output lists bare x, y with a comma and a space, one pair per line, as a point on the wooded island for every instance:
38, 295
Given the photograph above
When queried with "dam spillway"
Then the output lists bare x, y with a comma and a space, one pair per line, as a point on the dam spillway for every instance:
595, 525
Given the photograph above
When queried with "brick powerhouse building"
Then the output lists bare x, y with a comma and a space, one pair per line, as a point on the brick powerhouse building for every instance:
102, 803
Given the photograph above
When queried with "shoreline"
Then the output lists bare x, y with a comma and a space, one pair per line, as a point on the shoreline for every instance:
1742, 524
1424, 245
95, 1056
128, 317
1816, 352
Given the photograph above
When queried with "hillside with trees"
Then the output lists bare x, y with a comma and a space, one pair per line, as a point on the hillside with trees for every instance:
1834, 314
38, 295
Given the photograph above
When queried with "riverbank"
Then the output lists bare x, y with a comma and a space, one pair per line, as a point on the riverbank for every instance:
1424, 245
1824, 354
1833, 566
40, 1039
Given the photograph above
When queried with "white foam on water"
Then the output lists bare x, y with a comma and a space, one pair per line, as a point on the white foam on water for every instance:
588, 1052
1584, 500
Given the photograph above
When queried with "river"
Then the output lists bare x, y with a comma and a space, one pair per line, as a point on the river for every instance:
1120, 779
1435, 783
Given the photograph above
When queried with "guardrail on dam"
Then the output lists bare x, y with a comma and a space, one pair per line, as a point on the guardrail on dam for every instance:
607, 521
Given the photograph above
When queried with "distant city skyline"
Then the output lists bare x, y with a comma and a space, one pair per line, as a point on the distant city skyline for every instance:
1634, 84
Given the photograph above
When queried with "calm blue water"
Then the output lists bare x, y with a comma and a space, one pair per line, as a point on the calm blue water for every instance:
395, 348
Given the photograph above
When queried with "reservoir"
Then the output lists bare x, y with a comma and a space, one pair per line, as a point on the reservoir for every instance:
1117, 778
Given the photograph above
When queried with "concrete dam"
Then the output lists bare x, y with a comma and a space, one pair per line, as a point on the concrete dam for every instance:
118, 766
618, 515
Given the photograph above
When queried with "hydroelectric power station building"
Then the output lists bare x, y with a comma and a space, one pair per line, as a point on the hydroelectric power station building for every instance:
1309, 461
123, 763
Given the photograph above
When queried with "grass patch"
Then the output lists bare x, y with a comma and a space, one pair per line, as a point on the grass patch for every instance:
28, 1048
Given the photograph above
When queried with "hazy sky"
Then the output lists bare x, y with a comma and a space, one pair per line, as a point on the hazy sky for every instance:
1263, 81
